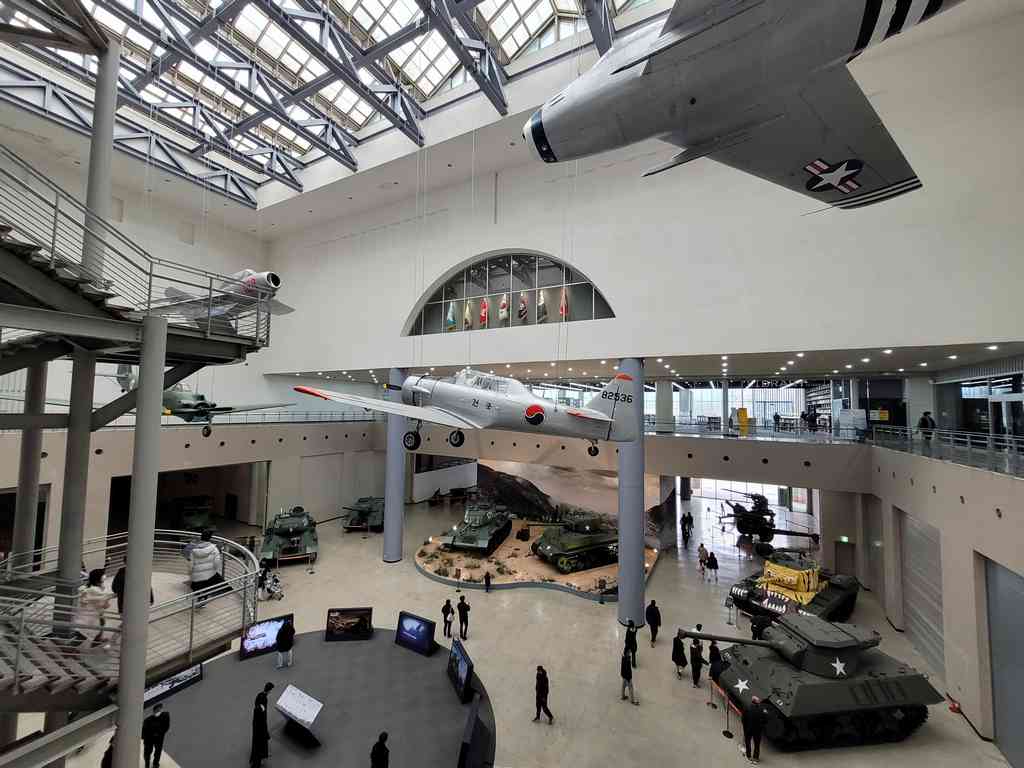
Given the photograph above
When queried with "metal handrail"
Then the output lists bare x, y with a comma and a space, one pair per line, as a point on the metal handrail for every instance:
42, 214
999, 453
250, 417
705, 426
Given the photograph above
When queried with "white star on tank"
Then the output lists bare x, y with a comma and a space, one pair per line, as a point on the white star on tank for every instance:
839, 667
741, 686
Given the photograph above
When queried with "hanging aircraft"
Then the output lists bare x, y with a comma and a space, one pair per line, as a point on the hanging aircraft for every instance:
236, 294
187, 405
475, 400
759, 85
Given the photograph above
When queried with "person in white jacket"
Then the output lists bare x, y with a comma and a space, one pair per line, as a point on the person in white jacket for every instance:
205, 563
94, 599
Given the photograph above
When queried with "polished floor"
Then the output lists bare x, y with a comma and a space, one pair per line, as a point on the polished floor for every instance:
579, 642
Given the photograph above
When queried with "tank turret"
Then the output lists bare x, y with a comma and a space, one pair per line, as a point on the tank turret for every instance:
291, 536
824, 684
792, 582
485, 525
583, 540
367, 514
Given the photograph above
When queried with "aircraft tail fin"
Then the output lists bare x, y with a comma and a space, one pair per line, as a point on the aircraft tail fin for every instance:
619, 402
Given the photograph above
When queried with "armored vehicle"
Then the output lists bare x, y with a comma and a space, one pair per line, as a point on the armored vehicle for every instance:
290, 536
367, 514
582, 541
758, 520
485, 525
824, 684
794, 583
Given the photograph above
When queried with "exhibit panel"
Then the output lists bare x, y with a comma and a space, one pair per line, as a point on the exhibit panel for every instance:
1005, 629
922, 590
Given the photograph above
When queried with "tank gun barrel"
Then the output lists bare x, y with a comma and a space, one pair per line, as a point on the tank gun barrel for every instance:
741, 493
725, 638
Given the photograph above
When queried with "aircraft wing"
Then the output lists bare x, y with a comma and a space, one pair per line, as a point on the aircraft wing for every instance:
825, 141
239, 408
184, 305
421, 413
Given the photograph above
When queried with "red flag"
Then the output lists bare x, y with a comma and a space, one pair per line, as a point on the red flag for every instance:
483, 313
563, 306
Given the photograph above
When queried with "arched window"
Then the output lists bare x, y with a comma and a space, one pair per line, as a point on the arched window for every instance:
506, 290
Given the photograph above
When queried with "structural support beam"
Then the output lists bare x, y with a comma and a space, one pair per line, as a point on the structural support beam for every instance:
26, 503
31, 421
67, 324
725, 405
600, 22
32, 356
54, 744
141, 526
409, 32
103, 416
27, 36
664, 418
101, 156
394, 477
631, 506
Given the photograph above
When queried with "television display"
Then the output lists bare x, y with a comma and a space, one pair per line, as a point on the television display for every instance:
415, 633
171, 685
349, 624
261, 637
460, 671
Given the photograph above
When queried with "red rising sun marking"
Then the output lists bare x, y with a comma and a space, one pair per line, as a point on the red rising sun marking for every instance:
534, 414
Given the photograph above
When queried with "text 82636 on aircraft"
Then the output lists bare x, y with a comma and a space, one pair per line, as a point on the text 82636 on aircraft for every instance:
759, 85
475, 400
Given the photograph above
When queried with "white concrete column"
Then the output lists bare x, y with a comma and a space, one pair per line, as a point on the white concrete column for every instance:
725, 404
631, 506
259, 472
860, 528
394, 476
101, 155
664, 419
919, 392
141, 526
27, 500
892, 535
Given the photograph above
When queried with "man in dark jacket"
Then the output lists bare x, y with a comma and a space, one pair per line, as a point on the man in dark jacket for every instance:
753, 726
285, 643
260, 730
696, 662
463, 609
679, 653
758, 624
154, 728
626, 671
117, 587
926, 425
541, 689
715, 662
446, 617
380, 754
653, 615
631, 641
487, 581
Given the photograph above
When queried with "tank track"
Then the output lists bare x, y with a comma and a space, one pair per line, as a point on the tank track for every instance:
876, 726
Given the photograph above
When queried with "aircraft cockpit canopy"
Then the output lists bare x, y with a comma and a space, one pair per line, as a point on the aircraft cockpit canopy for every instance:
488, 382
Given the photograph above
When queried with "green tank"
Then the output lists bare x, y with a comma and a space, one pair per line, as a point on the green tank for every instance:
290, 536
582, 541
367, 514
823, 684
485, 525
792, 582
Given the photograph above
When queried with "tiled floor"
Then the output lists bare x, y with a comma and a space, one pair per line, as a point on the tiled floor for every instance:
579, 642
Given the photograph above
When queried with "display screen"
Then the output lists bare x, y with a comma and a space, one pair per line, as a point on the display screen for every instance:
460, 671
415, 633
171, 685
349, 624
261, 637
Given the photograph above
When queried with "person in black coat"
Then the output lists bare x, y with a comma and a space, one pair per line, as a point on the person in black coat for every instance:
380, 754
758, 624
487, 581
696, 663
630, 647
715, 663
753, 726
154, 728
463, 609
260, 730
542, 686
679, 653
446, 616
626, 671
117, 587
653, 615
712, 566
285, 643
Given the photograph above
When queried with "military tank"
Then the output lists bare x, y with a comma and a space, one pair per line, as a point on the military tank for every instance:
791, 582
582, 541
367, 514
823, 684
485, 525
290, 536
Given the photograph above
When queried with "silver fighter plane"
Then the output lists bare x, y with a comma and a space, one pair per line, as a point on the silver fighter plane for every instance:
759, 85
475, 400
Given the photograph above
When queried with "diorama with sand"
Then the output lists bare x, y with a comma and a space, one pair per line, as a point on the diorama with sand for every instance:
513, 562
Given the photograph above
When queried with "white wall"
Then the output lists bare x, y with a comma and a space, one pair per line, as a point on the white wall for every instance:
919, 393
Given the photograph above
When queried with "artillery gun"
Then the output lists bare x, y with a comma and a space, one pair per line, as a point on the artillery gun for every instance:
759, 520
485, 525
367, 514
582, 541
823, 684
791, 582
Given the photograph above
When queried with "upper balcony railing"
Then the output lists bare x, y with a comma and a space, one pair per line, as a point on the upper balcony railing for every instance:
711, 426
998, 453
42, 214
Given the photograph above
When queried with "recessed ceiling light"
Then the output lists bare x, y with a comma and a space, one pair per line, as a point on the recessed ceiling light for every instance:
902, 370
799, 354
507, 365
319, 373
616, 368
952, 357
545, 374
865, 359
849, 366
604, 362
529, 370
371, 373
835, 370
570, 370
491, 371
584, 373
667, 365
886, 351
659, 359
725, 357
923, 365
298, 374
344, 373
431, 367
552, 365
992, 347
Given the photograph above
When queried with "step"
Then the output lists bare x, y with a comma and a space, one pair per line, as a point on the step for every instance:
24, 250
58, 679
89, 289
117, 303
85, 680
30, 677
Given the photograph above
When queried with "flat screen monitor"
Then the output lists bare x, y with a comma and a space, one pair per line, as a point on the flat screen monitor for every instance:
261, 637
171, 685
415, 633
460, 671
349, 624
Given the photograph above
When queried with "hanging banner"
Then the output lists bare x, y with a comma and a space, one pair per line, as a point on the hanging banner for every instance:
542, 308
467, 317
449, 322
503, 308
523, 308
563, 305
483, 313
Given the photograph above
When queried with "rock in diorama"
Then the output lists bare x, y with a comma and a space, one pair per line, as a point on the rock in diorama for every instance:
367, 514
291, 536
824, 684
794, 583
485, 525
582, 540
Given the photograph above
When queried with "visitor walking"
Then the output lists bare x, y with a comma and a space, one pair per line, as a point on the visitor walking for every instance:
117, 587
758, 624
626, 671
205, 563
541, 688
630, 647
446, 616
715, 663
702, 559
260, 731
487, 581
679, 653
463, 609
154, 728
697, 661
653, 616
753, 726
712, 566
686, 534
285, 644
107, 761
777, 420
380, 754
926, 425
94, 599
